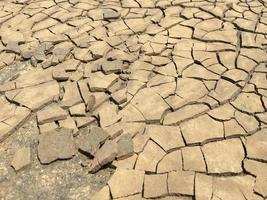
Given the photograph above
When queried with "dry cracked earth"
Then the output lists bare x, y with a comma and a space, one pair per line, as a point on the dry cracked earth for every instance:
133, 99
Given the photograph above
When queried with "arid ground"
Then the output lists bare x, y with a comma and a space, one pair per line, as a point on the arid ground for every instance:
133, 99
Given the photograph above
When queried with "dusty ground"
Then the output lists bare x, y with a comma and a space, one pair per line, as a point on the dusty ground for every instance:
59, 180
133, 99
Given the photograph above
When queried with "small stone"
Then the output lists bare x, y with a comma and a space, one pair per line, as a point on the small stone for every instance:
100, 82
125, 146
34, 62
181, 182
90, 102
93, 165
54, 145
106, 154
110, 67
50, 114
60, 74
124, 77
78, 110
13, 47
21, 159
45, 64
125, 182
90, 142
69, 123
155, 186
84, 121
71, 96
99, 49
39, 54
83, 54
119, 85
119, 96
71, 65
114, 130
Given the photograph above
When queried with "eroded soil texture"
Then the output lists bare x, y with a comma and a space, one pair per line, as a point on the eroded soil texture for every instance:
133, 99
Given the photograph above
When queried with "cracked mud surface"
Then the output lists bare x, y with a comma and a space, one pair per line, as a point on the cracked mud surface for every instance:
133, 99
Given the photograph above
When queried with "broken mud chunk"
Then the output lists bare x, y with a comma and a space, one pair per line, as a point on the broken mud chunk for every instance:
54, 145
21, 159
